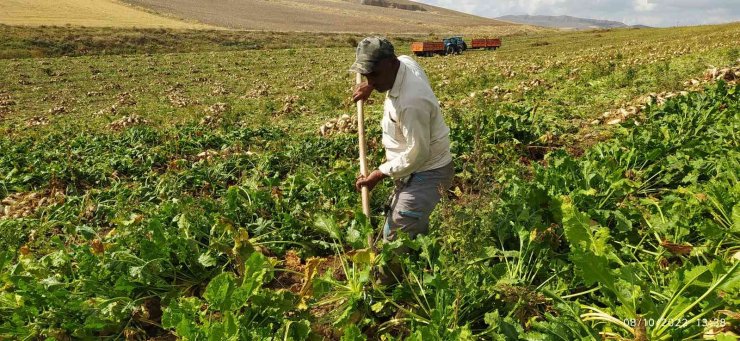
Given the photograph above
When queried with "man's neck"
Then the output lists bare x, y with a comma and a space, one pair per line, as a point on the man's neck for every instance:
396, 65
395, 69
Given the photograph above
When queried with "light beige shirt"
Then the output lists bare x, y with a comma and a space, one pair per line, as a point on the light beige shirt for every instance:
415, 135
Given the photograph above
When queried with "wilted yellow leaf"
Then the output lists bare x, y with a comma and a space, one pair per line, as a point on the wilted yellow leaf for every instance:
309, 272
364, 256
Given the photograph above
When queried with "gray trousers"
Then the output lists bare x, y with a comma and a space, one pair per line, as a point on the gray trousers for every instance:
413, 201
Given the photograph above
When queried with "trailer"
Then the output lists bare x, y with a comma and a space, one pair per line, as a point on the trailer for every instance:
428, 48
485, 43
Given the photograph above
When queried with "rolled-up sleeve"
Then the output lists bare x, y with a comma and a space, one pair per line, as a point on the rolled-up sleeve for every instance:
415, 122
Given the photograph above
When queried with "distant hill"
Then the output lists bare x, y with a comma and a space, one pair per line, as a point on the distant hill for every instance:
91, 13
565, 22
365, 16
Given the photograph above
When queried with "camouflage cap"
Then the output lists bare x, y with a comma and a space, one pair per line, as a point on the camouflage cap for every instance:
369, 51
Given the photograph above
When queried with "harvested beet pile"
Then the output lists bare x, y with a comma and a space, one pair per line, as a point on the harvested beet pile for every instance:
21, 205
728, 74
127, 121
342, 124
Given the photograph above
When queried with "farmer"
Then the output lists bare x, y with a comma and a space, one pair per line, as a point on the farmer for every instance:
415, 137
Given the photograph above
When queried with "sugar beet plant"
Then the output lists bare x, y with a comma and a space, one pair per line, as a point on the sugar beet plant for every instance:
241, 233
635, 239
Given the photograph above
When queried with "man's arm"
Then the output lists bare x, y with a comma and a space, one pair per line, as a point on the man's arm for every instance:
369, 181
415, 124
362, 92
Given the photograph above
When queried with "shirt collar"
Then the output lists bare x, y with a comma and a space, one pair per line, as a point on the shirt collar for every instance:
396, 89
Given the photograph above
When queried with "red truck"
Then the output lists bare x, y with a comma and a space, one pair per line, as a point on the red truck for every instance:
488, 44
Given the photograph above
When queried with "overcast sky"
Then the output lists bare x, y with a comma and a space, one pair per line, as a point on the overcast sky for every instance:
646, 12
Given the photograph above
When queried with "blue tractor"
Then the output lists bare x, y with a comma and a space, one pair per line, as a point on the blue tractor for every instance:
455, 45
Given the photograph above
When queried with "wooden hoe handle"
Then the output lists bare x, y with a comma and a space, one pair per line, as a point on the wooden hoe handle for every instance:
363, 158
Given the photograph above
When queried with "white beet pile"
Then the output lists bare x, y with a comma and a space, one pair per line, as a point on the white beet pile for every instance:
127, 121
730, 75
342, 124
20, 205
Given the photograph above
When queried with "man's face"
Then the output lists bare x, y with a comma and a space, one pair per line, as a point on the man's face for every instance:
381, 78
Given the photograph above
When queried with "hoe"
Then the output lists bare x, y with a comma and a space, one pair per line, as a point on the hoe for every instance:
363, 161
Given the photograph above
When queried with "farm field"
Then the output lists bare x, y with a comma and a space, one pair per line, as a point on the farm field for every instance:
55, 41
93, 13
210, 194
